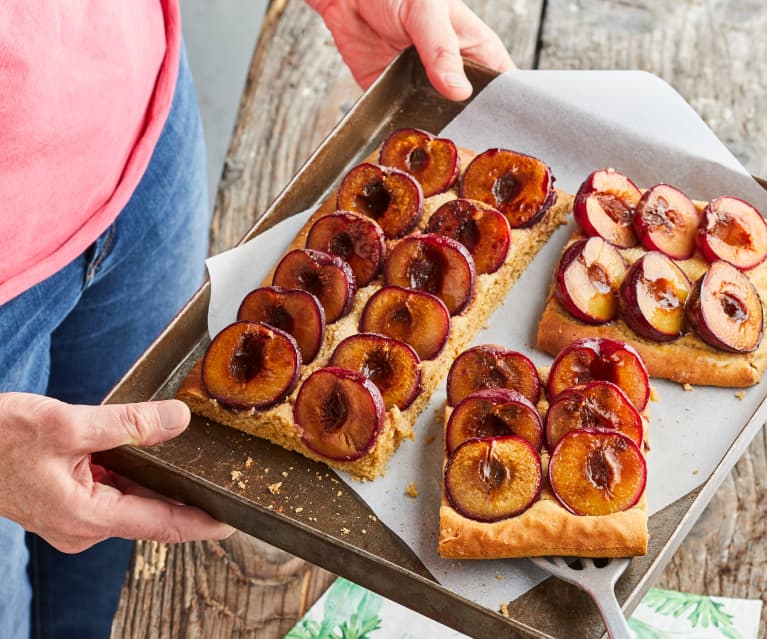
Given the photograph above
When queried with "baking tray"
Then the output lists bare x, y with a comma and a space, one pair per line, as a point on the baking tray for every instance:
301, 506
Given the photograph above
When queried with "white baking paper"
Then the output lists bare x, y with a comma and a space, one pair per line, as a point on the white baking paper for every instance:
576, 121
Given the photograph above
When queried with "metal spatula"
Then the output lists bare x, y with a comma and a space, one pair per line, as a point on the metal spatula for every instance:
598, 580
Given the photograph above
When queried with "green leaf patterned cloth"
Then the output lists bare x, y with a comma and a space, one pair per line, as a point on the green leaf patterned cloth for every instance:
348, 611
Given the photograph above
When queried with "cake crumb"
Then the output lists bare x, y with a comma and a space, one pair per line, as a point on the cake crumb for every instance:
499, 577
339, 493
505, 610
345, 531
249, 462
687, 388
695, 472
372, 518
740, 394
241, 485
299, 509
654, 397
284, 473
275, 488
236, 474
266, 471
364, 532
411, 491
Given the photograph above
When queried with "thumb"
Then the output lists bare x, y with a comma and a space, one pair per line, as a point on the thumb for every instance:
140, 424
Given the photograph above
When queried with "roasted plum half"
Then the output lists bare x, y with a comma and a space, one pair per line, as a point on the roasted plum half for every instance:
493, 478
435, 264
653, 297
327, 277
354, 238
601, 358
725, 309
587, 280
519, 186
433, 161
604, 206
414, 317
734, 231
490, 366
292, 310
392, 365
598, 405
250, 365
481, 229
340, 413
391, 197
492, 413
597, 473
666, 220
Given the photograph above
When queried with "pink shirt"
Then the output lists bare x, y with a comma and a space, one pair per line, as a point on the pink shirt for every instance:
85, 89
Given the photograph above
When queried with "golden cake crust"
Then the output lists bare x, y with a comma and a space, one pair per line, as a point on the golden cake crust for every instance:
276, 423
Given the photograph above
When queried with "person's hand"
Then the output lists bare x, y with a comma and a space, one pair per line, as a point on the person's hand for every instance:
49, 485
370, 33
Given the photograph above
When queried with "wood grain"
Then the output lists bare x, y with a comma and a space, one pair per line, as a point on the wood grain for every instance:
296, 91
713, 53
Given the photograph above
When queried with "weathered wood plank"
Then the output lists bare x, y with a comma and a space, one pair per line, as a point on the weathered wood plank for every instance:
713, 53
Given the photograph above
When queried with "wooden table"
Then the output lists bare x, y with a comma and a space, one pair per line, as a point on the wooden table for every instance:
713, 53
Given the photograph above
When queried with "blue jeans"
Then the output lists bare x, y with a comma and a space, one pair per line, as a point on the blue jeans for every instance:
72, 337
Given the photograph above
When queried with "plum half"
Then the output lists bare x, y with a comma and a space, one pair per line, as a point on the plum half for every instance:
294, 311
666, 220
325, 276
434, 162
725, 309
491, 413
518, 185
597, 472
653, 297
391, 197
587, 280
601, 358
392, 365
491, 366
597, 405
493, 478
734, 231
340, 413
604, 206
481, 229
414, 317
435, 264
250, 365
354, 238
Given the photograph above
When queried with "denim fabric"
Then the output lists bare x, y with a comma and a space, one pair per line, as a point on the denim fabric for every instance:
73, 335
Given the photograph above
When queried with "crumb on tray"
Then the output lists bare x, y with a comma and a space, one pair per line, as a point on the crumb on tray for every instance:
687, 388
411, 491
275, 488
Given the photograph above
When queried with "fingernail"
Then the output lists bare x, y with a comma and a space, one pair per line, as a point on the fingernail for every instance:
174, 415
457, 81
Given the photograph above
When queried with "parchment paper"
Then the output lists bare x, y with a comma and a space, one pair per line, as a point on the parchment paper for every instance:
576, 121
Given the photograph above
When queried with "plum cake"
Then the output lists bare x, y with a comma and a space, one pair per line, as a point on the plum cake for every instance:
555, 468
683, 281
391, 277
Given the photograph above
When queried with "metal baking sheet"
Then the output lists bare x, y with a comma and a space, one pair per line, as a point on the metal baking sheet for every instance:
312, 513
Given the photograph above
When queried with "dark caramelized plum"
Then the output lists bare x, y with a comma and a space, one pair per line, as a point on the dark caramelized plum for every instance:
292, 310
392, 365
734, 231
432, 161
435, 264
597, 473
415, 317
391, 197
354, 238
604, 207
519, 186
653, 297
493, 478
491, 366
340, 413
325, 276
725, 309
598, 405
250, 365
481, 229
491, 413
587, 280
601, 358
666, 220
